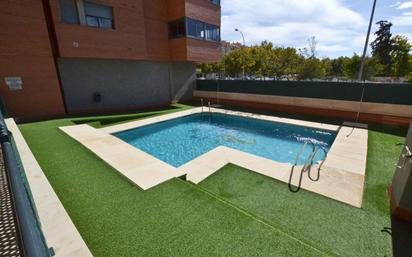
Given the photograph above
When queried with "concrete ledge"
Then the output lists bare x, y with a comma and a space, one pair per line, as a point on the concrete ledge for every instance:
58, 229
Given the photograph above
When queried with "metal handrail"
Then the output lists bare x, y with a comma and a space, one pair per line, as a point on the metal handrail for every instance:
320, 165
303, 149
30, 235
295, 190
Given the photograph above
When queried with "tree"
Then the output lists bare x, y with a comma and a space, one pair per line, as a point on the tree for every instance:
326, 64
382, 46
311, 68
409, 77
284, 62
309, 51
351, 67
207, 68
232, 63
400, 56
258, 61
337, 67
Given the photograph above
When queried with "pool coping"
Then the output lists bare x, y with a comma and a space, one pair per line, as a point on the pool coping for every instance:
152, 120
342, 175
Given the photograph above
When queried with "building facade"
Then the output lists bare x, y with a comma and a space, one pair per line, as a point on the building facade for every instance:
62, 57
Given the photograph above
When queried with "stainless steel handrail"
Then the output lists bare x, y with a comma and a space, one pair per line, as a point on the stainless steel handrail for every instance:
295, 190
320, 165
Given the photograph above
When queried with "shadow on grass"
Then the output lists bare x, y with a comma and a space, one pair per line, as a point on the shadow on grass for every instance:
105, 120
389, 129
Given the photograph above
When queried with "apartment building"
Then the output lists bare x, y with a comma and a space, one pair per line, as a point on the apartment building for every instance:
61, 57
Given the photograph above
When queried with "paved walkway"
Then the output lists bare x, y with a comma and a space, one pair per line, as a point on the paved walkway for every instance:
8, 234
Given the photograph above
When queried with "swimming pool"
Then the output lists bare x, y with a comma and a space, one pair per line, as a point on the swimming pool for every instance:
181, 140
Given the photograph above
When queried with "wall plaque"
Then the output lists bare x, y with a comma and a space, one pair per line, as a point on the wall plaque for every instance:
14, 83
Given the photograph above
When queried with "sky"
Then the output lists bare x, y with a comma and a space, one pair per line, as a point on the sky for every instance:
339, 26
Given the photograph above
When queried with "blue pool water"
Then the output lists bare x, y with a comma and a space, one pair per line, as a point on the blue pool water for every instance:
181, 140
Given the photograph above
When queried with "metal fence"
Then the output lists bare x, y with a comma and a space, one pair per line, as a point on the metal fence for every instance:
31, 238
349, 91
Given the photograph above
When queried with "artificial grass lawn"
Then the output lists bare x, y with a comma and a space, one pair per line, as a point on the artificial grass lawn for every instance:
233, 213
330, 225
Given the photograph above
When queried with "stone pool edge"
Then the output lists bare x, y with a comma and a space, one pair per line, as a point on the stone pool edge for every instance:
342, 175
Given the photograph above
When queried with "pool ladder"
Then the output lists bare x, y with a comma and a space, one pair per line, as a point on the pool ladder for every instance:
308, 165
208, 105
209, 108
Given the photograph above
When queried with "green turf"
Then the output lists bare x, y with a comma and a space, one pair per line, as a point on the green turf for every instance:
333, 226
234, 213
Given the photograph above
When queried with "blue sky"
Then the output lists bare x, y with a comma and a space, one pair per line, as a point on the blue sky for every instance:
338, 25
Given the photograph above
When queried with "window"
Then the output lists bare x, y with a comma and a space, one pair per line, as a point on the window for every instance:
99, 16
86, 13
68, 12
216, 2
177, 28
195, 29
212, 32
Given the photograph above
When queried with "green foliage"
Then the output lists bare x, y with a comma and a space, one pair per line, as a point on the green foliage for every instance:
390, 57
351, 67
400, 56
382, 46
207, 68
262, 60
284, 62
311, 68
409, 78
232, 63
337, 67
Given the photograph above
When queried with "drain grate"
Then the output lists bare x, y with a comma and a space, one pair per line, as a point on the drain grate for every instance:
8, 236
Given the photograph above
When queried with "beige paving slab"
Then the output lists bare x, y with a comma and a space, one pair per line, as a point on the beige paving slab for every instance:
58, 229
349, 150
139, 167
338, 184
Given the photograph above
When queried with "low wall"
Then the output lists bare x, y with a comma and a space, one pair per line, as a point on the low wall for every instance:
385, 103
